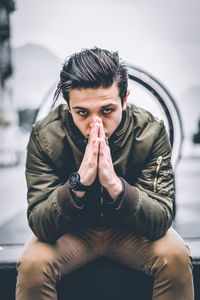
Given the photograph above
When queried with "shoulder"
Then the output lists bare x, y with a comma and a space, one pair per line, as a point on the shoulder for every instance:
49, 132
149, 131
54, 117
145, 122
142, 116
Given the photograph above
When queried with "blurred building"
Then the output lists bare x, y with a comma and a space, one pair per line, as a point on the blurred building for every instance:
7, 112
6, 7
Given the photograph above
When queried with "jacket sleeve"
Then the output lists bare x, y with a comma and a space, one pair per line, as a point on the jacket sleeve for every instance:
147, 206
51, 207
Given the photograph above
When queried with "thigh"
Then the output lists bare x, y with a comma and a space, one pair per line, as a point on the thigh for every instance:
68, 253
139, 253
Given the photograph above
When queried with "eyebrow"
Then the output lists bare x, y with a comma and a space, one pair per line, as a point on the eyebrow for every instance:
102, 107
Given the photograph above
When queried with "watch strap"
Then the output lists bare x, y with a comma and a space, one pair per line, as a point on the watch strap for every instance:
75, 184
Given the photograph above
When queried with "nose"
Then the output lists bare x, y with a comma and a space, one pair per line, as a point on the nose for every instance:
95, 119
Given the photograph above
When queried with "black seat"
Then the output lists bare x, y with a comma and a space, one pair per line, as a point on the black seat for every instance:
107, 280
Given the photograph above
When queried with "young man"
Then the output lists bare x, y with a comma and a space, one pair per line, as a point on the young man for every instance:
100, 182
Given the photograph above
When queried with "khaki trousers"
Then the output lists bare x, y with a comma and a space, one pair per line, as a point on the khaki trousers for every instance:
42, 265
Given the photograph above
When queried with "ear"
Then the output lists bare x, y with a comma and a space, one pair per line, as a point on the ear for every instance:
125, 100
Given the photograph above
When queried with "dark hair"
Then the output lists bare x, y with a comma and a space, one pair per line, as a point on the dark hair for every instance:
92, 68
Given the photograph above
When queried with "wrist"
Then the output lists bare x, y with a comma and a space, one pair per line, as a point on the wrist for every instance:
75, 184
78, 194
114, 188
84, 178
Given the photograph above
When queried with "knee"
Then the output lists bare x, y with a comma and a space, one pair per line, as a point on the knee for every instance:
178, 259
175, 262
32, 270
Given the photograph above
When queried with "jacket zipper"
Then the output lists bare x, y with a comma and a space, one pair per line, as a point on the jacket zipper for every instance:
158, 162
101, 202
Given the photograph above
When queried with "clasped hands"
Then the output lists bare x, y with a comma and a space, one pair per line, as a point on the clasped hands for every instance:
97, 161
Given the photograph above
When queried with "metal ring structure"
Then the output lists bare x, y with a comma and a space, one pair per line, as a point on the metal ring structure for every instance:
164, 98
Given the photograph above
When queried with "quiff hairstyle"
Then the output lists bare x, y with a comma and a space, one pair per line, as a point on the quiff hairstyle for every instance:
92, 68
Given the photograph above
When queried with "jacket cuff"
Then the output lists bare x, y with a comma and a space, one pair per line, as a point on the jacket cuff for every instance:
129, 202
67, 202
80, 202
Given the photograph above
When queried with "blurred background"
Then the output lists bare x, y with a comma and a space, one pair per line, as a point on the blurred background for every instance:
159, 36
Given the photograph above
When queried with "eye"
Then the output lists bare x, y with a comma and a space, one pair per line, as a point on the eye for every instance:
107, 111
82, 113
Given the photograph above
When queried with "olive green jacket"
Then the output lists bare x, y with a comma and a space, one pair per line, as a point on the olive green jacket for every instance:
141, 155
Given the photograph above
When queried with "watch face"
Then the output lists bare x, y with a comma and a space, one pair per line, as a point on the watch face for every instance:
73, 180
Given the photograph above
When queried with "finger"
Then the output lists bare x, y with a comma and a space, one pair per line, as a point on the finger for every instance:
93, 155
96, 120
94, 132
93, 146
102, 150
95, 149
101, 132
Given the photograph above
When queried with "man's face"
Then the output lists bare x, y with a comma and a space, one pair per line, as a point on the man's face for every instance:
89, 104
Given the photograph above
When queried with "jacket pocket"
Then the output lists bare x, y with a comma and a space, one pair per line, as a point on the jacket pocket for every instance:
158, 166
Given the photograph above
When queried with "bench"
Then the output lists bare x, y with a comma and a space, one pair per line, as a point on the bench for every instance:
99, 279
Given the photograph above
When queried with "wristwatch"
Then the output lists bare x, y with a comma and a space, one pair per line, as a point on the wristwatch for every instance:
75, 184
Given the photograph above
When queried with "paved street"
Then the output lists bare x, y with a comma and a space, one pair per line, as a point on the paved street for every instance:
12, 191
187, 221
